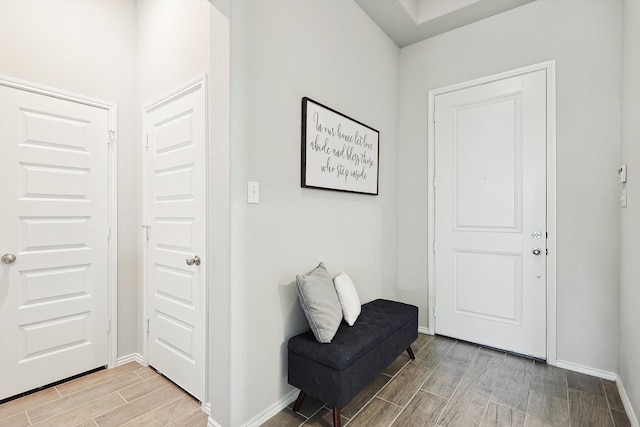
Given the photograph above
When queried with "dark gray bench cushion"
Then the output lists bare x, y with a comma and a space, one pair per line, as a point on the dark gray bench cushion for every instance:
336, 372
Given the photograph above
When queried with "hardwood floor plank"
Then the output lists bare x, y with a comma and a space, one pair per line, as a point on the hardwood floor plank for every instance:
397, 364
583, 382
421, 342
463, 352
445, 378
532, 421
285, 418
518, 362
84, 413
620, 419
71, 401
550, 409
466, 407
404, 385
588, 410
323, 418
423, 410
95, 378
143, 387
131, 410
376, 413
310, 406
613, 397
146, 372
365, 396
165, 414
502, 416
17, 420
549, 380
511, 387
434, 352
484, 367
98, 394
194, 419
30, 401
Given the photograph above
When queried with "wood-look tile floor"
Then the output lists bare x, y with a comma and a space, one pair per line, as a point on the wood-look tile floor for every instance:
129, 395
453, 383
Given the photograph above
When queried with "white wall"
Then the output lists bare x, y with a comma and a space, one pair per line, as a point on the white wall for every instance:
219, 267
630, 236
584, 38
87, 47
331, 52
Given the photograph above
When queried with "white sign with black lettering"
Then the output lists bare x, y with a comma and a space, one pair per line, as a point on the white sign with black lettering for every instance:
338, 153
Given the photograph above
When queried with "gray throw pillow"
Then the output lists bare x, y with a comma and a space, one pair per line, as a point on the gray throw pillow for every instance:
320, 303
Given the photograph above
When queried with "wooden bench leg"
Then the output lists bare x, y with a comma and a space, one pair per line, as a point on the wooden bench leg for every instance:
337, 421
299, 400
411, 355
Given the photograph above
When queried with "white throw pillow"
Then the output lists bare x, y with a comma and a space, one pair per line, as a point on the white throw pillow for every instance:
348, 297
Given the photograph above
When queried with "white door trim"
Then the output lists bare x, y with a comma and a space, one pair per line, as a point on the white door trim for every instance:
549, 67
112, 267
195, 84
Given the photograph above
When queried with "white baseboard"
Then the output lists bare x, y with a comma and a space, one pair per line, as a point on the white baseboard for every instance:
263, 416
633, 419
424, 330
605, 375
212, 423
134, 357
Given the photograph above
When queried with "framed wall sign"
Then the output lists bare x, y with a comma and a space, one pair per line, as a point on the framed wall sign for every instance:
338, 153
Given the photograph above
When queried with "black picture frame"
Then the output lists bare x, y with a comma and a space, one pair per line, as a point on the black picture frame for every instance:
338, 152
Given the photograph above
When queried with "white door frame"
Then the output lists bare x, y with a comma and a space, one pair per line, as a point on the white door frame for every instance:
198, 82
112, 250
549, 67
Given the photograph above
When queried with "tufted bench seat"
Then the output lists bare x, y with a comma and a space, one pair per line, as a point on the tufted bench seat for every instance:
335, 373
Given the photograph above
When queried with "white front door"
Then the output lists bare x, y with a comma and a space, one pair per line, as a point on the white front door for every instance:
490, 214
175, 215
54, 186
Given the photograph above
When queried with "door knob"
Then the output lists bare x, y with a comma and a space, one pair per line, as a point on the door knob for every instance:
8, 258
195, 260
536, 251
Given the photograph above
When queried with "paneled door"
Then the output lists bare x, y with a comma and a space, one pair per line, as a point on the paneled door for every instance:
490, 214
175, 201
54, 234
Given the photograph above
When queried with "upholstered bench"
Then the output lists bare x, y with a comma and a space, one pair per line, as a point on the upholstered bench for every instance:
336, 372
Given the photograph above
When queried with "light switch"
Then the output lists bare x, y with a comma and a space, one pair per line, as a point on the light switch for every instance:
253, 192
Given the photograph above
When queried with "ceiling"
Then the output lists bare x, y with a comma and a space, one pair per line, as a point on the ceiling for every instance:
410, 21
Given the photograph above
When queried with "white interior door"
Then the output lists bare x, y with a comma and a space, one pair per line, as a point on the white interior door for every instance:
490, 214
176, 259
54, 235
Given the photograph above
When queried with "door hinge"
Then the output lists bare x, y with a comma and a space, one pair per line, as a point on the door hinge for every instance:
108, 325
109, 231
146, 142
546, 251
434, 312
434, 116
112, 136
147, 231
146, 326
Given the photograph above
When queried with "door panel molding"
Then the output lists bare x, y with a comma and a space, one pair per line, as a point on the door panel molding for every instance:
40, 184
176, 182
549, 67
